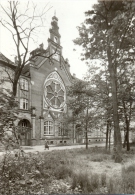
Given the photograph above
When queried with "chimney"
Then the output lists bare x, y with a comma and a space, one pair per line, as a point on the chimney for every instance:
41, 46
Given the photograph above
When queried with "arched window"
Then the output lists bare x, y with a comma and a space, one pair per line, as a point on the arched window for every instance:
48, 128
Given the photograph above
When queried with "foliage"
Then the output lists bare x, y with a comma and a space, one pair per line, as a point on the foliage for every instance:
81, 103
99, 158
8, 115
108, 34
98, 78
126, 184
33, 173
63, 171
128, 178
86, 182
30, 172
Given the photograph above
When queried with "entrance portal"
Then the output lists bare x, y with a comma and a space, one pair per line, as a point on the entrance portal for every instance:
24, 132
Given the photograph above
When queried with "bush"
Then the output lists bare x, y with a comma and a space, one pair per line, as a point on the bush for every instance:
99, 157
128, 178
87, 183
124, 183
31, 172
103, 179
63, 171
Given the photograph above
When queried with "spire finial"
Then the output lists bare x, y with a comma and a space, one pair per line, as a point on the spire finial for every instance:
54, 12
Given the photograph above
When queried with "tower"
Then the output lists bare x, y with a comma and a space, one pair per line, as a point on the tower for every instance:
54, 46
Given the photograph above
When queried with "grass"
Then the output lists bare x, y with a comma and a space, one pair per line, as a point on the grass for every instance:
87, 171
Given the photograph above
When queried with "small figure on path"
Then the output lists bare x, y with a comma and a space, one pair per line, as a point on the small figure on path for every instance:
46, 144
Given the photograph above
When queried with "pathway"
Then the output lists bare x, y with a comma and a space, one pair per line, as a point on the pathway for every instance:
41, 148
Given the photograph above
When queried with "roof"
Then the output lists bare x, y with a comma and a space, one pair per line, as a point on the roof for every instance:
5, 59
12, 65
26, 70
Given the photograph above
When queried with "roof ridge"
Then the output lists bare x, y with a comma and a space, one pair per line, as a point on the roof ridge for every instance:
5, 59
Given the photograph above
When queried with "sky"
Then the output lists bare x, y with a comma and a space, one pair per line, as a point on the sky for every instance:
70, 14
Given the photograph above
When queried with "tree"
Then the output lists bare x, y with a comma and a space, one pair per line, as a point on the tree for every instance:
64, 129
8, 114
99, 79
23, 26
126, 80
108, 34
82, 106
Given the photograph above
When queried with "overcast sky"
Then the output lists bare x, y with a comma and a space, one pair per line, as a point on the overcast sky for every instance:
70, 14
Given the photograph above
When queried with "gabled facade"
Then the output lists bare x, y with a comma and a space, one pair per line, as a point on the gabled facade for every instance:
42, 92
42, 95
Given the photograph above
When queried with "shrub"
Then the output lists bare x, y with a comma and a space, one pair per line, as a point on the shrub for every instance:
87, 183
99, 157
63, 171
124, 183
114, 185
28, 171
128, 178
103, 179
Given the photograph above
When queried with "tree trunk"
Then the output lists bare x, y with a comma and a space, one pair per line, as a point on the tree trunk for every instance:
86, 137
113, 78
86, 134
15, 86
107, 132
124, 143
127, 136
127, 128
109, 138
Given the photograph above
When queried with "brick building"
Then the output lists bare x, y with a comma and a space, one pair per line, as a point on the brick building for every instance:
42, 93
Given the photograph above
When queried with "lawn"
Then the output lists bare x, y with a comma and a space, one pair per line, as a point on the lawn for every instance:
67, 172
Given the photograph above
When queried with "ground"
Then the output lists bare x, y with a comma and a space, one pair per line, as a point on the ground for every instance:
68, 167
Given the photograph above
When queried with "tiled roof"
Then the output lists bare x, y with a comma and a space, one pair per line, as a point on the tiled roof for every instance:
5, 59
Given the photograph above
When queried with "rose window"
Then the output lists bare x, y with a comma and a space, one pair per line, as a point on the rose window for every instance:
55, 94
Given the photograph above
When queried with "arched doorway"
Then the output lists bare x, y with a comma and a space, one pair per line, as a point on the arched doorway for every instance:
24, 132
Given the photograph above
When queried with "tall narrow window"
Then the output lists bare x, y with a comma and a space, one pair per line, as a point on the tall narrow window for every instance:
23, 94
62, 130
24, 84
23, 104
48, 128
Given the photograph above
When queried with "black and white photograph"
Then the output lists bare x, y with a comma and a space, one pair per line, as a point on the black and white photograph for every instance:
67, 97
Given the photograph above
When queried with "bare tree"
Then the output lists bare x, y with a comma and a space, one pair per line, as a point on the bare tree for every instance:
22, 25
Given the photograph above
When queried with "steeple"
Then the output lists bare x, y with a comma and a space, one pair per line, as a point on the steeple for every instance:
54, 31
54, 40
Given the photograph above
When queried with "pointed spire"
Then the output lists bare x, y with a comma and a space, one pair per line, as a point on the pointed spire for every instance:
55, 13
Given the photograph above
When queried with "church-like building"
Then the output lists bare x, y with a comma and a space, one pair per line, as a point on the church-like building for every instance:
42, 92
42, 95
